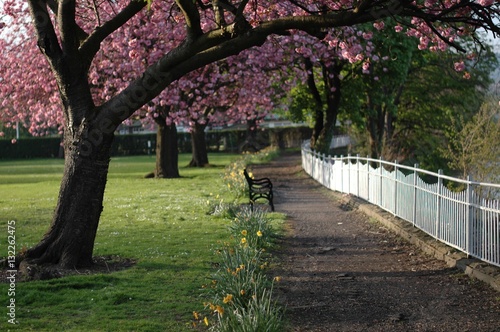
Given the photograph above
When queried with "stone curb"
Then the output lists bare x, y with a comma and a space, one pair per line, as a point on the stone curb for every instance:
474, 268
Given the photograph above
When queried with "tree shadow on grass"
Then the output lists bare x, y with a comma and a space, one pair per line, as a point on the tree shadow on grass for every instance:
102, 265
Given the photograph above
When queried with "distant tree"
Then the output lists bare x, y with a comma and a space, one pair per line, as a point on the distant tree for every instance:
380, 83
433, 97
474, 145
167, 145
404, 102
319, 76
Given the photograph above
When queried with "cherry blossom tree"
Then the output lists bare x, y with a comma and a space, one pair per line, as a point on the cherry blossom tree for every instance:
72, 37
194, 99
224, 93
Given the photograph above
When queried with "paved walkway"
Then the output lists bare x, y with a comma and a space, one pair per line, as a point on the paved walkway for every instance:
342, 271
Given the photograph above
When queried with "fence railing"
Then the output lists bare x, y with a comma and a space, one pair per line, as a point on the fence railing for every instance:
468, 220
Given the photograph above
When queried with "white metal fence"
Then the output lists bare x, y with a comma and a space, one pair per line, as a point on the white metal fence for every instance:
468, 220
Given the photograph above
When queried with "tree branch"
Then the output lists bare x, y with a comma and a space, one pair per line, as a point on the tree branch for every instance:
241, 8
46, 35
192, 17
362, 5
218, 13
228, 6
96, 11
81, 34
446, 40
311, 83
67, 24
210, 47
483, 19
303, 7
91, 45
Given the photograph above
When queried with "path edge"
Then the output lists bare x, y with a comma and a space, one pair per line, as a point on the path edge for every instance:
473, 267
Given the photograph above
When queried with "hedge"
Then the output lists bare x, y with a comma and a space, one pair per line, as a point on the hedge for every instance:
128, 145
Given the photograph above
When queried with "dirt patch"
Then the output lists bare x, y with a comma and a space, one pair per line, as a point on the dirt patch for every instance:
342, 271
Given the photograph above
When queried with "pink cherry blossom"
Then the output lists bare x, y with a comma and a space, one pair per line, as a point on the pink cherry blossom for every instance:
486, 2
459, 66
29, 93
379, 25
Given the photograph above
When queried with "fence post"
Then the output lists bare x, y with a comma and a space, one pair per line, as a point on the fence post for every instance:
381, 192
341, 173
329, 163
439, 201
357, 175
309, 160
415, 194
314, 162
468, 219
323, 166
395, 212
348, 173
368, 178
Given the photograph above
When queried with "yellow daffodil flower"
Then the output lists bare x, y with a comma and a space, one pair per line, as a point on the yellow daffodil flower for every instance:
219, 310
228, 298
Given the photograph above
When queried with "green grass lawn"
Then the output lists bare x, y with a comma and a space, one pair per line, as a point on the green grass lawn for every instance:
162, 224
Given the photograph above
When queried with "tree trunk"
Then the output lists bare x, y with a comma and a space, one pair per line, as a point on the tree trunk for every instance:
318, 105
317, 127
199, 146
375, 124
69, 241
277, 138
332, 83
167, 152
388, 149
251, 143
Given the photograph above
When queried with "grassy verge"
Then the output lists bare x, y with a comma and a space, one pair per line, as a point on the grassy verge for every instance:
162, 224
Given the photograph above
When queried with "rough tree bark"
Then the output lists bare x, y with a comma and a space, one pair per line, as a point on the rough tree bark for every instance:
167, 152
199, 146
167, 149
69, 241
318, 104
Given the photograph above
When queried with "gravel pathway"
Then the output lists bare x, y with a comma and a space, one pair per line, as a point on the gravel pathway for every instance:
342, 271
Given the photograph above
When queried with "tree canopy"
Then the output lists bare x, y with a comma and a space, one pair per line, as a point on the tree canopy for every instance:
128, 50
